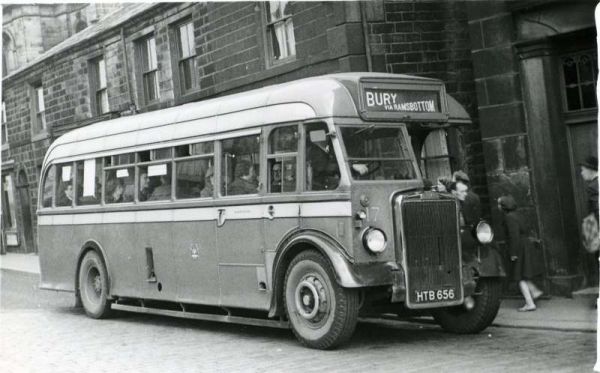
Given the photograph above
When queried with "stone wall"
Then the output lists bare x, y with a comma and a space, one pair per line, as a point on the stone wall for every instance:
503, 129
230, 46
432, 39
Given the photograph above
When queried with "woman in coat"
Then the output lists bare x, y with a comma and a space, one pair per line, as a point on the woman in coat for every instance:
521, 254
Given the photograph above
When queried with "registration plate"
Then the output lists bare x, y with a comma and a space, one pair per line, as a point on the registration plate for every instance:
440, 295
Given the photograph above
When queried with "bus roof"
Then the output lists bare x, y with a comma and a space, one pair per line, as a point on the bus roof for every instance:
315, 97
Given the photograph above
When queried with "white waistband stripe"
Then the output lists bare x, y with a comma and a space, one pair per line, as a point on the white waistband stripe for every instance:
262, 211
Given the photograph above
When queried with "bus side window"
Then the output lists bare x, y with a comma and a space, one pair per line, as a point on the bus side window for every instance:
88, 177
194, 170
119, 185
155, 182
322, 171
64, 188
240, 165
281, 160
49, 187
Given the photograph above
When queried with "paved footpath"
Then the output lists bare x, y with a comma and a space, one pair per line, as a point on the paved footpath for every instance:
40, 331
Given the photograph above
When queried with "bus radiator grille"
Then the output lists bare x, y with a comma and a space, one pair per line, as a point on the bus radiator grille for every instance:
432, 253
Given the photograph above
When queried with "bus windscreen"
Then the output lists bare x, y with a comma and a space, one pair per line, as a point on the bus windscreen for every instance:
378, 153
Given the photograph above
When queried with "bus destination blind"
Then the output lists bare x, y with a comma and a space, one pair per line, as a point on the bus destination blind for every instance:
402, 101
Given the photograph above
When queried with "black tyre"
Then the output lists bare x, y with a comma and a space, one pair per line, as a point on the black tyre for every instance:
323, 314
93, 286
462, 321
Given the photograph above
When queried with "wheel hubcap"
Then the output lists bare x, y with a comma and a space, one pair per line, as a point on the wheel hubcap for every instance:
94, 284
311, 299
97, 285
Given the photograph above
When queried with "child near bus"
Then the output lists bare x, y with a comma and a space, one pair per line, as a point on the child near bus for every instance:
519, 246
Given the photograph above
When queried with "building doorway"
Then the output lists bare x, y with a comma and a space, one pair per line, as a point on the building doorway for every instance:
25, 202
579, 74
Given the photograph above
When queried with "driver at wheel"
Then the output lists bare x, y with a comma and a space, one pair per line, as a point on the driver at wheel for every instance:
322, 168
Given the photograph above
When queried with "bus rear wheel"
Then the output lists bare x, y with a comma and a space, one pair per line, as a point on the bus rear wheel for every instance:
462, 321
323, 314
93, 286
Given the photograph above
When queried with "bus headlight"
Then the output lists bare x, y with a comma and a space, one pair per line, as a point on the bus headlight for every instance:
374, 240
484, 232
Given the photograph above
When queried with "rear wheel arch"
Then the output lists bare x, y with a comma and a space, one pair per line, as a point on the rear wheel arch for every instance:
88, 246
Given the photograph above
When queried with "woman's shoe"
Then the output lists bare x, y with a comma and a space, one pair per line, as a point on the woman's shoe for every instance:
527, 308
537, 294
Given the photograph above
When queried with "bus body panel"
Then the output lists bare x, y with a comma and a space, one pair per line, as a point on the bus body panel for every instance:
195, 255
241, 258
123, 256
377, 201
58, 262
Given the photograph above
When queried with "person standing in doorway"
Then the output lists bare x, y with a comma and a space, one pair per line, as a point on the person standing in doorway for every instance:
590, 231
525, 266
589, 173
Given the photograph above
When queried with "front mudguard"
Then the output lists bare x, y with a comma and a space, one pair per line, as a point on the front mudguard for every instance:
485, 261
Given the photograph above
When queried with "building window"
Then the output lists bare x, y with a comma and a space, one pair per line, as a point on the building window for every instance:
98, 86
38, 109
149, 69
4, 134
8, 203
186, 57
8, 54
280, 31
579, 73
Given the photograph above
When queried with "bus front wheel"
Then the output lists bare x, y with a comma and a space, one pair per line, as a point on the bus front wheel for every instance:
323, 314
93, 286
462, 321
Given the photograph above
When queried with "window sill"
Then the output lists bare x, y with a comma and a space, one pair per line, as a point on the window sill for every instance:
191, 96
154, 105
40, 136
5, 147
275, 63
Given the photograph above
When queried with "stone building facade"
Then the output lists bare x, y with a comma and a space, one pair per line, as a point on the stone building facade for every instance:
491, 57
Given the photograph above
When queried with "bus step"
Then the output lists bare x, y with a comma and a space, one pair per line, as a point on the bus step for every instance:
202, 316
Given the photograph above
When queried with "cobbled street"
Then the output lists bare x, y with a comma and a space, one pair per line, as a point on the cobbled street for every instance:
42, 332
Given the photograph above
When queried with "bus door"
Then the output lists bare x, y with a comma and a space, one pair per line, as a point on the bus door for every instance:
194, 230
195, 254
281, 210
239, 224
155, 235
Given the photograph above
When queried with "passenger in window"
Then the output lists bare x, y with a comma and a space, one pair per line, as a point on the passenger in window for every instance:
207, 191
145, 191
245, 179
118, 191
276, 178
66, 197
289, 177
163, 191
128, 192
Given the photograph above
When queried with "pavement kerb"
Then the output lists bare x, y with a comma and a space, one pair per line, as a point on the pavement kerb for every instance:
573, 311
550, 328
